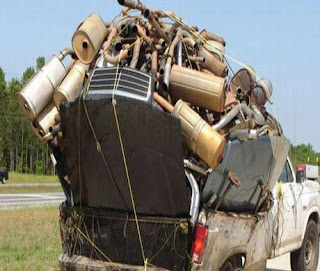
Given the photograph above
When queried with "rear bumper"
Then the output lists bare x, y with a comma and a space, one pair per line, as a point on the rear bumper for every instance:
81, 263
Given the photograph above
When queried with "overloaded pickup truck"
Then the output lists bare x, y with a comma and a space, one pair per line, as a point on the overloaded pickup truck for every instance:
249, 209
168, 161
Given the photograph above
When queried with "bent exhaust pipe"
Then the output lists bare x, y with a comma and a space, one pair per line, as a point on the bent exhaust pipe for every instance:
131, 4
255, 113
168, 66
195, 198
211, 36
148, 14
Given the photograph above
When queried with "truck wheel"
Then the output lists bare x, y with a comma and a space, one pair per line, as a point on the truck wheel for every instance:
306, 258
233, 263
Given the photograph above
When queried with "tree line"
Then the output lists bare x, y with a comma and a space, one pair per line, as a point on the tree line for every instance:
21, 150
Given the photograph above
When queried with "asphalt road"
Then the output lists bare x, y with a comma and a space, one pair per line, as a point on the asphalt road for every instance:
26, 200
281, 264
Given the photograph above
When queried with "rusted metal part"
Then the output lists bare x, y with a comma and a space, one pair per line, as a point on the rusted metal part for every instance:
154, 63
112, 34
163, 102
211, 36
124, 54
148, 14
212, 63
132, 4
167, 69
136, 53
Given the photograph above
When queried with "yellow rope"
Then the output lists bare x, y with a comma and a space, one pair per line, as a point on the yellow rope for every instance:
117, 79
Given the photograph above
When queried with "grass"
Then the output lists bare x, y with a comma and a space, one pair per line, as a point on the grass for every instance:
29, 178
28, 190
29, 239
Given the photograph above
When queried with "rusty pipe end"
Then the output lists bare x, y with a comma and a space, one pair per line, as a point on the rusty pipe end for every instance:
146, 13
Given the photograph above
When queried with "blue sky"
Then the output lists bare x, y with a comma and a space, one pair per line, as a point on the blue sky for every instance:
279, 39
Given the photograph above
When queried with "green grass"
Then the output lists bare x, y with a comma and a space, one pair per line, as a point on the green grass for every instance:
28, 190
29, 178
29, 239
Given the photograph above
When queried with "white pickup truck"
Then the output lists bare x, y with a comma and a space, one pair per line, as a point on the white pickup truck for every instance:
245, 242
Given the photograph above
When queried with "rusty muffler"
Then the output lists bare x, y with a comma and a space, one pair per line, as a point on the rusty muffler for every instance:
38, 91
88, 38
71, 86
198, 88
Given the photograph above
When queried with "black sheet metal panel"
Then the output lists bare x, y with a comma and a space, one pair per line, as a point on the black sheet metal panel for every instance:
253, 161
153, 149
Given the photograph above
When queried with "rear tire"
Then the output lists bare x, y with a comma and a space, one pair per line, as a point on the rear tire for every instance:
233, 263
306, 258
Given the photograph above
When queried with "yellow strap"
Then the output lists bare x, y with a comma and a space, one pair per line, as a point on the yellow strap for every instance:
117, 79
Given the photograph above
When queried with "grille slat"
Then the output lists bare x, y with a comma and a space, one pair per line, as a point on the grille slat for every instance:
131, 83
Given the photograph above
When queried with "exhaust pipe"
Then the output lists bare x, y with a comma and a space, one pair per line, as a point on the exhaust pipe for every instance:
136, 53
71, 86
195, 198
254, 113
213, 64
38, 91
131, 4
167, 68
211, 36
88, 38
148, 14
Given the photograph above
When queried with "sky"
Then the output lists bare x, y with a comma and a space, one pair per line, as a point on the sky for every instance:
279, 39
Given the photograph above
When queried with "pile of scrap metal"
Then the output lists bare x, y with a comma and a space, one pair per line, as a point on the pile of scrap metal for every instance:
190, 81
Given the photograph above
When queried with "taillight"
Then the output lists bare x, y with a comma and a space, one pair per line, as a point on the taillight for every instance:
199, 243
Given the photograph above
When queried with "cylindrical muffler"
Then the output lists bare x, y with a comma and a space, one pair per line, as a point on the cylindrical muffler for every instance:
71, 86
37, 93
213, 64
88, 38
45, 120
199, 136
198, 88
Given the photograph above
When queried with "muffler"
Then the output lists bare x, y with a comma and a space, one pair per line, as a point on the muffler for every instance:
71, 86
37, 93
198, 88
199, 136
88, 38
44, 121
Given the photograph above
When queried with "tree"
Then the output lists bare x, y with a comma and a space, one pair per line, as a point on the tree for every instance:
40, 62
